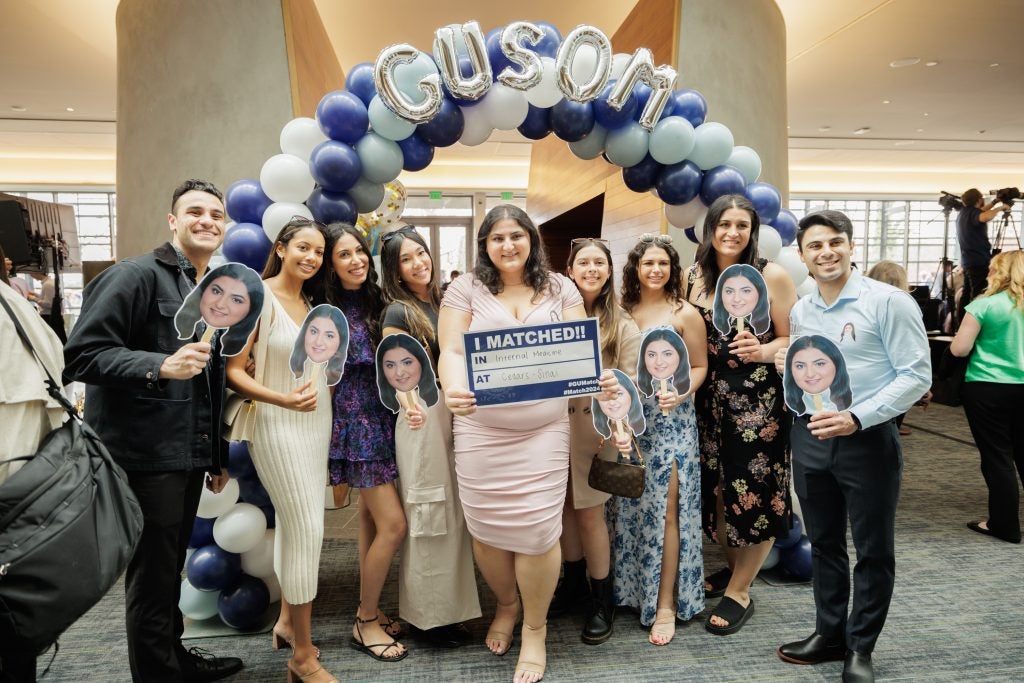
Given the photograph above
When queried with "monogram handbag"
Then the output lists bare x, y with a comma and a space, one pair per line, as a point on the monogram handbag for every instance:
617, 477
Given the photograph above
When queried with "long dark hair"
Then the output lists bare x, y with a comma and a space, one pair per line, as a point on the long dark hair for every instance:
535, 272
428, 380
635, 417
336, 364
631, 275
372, 295
313, 288
839, 391
706, 257
760, 317
606, 305
397, 292
644, 380
189, 315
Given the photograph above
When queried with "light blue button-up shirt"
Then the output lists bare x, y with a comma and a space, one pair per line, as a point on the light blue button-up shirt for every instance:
880, 331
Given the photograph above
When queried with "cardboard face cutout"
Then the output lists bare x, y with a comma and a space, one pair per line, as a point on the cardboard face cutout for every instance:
664, 362
404, 373
229, 298
624, 413
321, 346
741, 301
815, 377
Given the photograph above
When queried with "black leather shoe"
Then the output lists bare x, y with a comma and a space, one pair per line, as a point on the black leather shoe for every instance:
200, 666
600, 612
858, 669
448, 636
572, 591
813, 650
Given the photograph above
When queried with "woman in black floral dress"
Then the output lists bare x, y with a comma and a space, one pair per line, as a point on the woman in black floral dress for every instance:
741, 415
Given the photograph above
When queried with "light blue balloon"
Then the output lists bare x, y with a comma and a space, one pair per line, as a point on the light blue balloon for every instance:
408, 76
672, 140
746, 161
592, 145
386, 123
627, 146
772, 560
197, 604
366, 195
382, 158
712, 145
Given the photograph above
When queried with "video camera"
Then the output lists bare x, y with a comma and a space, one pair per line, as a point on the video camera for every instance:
1006, 195
950, 201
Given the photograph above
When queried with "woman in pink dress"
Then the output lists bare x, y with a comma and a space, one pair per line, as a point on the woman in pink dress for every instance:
512, 462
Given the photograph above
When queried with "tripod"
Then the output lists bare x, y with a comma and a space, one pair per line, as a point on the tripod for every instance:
1007, 220
943, 274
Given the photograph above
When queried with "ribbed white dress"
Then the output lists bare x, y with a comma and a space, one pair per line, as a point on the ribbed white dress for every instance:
289, 450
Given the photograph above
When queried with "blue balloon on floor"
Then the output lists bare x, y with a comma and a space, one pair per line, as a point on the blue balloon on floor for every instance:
268, 512
239, 463
251, 490
247, 243
772, 560
211, 568
796, 532
797, 559
242, 606
202, 532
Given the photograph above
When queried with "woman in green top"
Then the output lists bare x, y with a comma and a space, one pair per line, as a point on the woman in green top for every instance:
994, 390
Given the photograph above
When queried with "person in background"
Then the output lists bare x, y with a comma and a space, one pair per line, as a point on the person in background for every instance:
11, 278
451, 278
975, 247
156, 402
994, 390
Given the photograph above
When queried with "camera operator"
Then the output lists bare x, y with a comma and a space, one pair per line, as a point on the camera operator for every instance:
975, 248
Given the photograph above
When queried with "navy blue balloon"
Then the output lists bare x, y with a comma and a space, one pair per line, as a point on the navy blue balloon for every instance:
335, 166
202, 533
537, 124
691, 234
548, 45
642, 92
360, 82
797, 559
268, 512
610, 118
689, 104
796, 531
211, 568
642, 176
239, 462
251, 490
247, 243
416, 153
572, 121
445, 129
466, 67
332, 207
766, 200
719, 181
679, 183
342, 116
245, 201
786, 225
492, 41
243, 605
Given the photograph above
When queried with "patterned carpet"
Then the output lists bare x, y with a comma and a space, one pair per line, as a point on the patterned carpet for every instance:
957, 614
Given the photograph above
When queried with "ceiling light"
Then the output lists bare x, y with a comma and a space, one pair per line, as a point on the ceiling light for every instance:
69, 108
926, 113
993, 65
902, 143
920, 130
18, 107
824, 129
931, 63
886, 101
861, 131
906, 61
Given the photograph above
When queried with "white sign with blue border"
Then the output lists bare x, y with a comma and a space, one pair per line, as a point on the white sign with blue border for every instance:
533, 362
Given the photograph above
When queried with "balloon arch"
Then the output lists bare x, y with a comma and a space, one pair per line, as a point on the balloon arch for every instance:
343, 165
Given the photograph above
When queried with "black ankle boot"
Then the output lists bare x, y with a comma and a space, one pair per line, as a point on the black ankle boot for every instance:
600, 613
572, 590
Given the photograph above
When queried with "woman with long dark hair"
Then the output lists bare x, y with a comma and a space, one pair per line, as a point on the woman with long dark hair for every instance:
293, 427
362, 449
436, 581
658, 567
741, 415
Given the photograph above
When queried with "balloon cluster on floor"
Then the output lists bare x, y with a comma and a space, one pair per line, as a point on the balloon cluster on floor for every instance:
394, 113
230, 568
792, 553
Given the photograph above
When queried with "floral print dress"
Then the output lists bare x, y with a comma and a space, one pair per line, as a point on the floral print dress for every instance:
744, 441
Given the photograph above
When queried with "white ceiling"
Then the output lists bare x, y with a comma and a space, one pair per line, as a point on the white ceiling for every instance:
950, 126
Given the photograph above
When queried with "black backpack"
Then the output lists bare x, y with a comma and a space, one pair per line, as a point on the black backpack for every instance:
69, 523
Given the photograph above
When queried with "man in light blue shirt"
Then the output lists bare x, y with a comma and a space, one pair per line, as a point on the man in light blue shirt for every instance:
848, 464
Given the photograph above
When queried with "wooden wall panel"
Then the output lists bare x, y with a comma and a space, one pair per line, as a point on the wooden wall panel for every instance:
312, 64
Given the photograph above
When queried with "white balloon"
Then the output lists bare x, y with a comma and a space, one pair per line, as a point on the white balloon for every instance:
299, 137
386, 123
768, 243
275, 218
746, 161
286, 178
546, 93
806, 287
619, 63
789, 258
196, 604
259, 559
215, 504
685, 215
476, 126
273, 585
506, 108
240, 528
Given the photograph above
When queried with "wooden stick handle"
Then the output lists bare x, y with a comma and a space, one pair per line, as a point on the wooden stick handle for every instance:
739, 324
207, 334
664, 390
314, 375
818, 405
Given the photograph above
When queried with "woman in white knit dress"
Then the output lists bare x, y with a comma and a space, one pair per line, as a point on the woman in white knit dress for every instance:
293, 429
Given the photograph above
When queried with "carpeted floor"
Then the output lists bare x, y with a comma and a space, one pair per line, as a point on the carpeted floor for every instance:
957, 614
